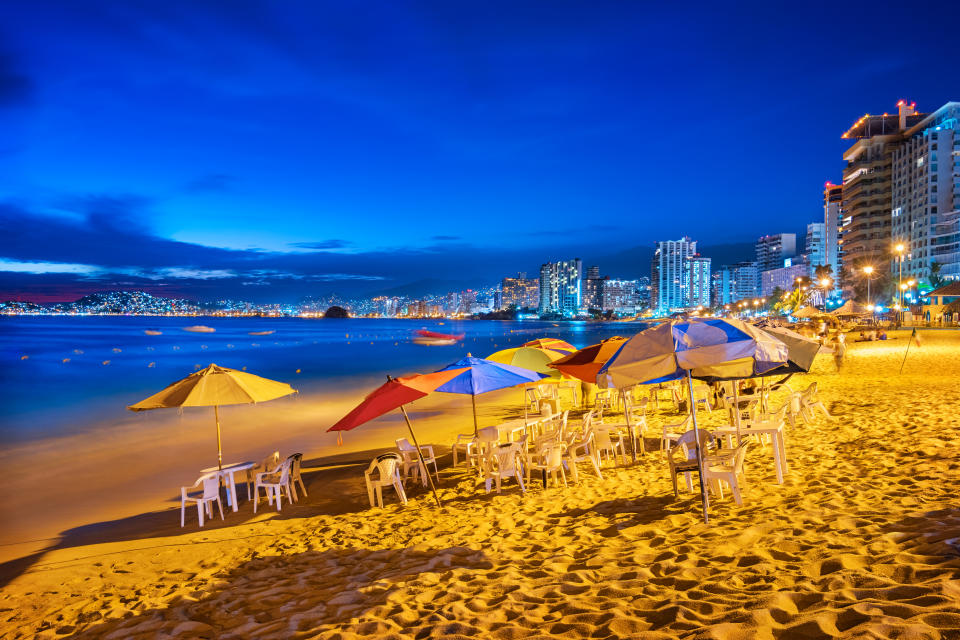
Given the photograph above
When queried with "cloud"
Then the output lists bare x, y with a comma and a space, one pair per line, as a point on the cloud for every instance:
17, 266
102, 241
445, 238
210, 183
322, 245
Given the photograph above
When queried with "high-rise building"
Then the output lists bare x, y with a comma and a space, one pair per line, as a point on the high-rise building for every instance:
520, 292
814, 246
832, 224
773, 250
561, 287
620, 296
669, 275
926, 195
732, 283
784, 277
698, 281
868, 186
593, 289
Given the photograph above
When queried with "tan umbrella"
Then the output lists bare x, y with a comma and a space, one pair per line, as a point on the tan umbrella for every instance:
807, 312
213, 387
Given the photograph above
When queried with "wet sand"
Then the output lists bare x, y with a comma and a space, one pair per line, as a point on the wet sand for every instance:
860, 541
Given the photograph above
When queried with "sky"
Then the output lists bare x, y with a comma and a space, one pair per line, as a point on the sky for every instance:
271, 151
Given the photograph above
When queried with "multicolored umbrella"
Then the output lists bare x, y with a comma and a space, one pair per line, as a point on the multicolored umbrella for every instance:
710, 348
532, 358
394, 394
214, 387
553, 344
481, 376
585, 363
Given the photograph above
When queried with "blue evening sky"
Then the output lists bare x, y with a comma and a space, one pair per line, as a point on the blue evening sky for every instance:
275, 149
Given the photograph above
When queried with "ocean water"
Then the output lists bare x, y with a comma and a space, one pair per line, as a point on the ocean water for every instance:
64, 374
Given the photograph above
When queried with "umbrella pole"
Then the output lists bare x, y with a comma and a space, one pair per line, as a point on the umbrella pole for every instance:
705, 501
736, 407
473, 400
626, 415
403, 410
216, 416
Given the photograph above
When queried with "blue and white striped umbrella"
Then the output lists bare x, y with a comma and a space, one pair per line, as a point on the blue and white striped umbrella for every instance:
709, 348
705, 348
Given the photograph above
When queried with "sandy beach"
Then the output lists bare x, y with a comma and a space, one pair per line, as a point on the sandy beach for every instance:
861, 540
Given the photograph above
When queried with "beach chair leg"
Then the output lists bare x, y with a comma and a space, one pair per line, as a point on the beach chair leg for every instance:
302, 486
220, 506
370, 491
183, 509
519, 477
200, 511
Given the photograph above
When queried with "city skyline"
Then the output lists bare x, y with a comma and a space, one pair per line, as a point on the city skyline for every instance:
248, 151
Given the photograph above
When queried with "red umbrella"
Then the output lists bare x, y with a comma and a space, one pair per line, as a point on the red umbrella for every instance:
393, 394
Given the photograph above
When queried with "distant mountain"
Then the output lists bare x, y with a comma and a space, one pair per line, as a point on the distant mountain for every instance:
635, 261
425, 287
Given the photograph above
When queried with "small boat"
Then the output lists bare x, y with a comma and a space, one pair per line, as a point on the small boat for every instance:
260, 333
432, 338
199, 328
153, 332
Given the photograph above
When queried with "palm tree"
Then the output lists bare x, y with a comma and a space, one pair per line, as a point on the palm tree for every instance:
936, 280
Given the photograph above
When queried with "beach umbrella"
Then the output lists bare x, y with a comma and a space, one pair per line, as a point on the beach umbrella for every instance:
807, 312
849, 308
553, 344
532, 358
801, 351
695, 347
214, 387
481, 376
394, 394
585, 363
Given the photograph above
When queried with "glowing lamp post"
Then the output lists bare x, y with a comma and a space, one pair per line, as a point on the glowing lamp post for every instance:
899, 249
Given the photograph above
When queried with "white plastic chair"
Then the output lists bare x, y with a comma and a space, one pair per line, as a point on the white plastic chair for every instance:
682, 457
274, 484
466, 445
547, 458
728, 472
388, 468
204, 499
581, 451
610, 443
267, 464
672, 432
295, 477
701, 395
810, 402
411, 460
603, 400
503, 462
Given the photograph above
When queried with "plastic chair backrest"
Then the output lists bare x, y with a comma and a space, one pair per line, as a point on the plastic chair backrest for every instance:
270, 462
739, 456
688, 442
404, 445
488, 434
553, 456
211, 486
387, 465
295, 459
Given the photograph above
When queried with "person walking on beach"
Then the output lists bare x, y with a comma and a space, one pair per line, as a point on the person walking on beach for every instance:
839, 346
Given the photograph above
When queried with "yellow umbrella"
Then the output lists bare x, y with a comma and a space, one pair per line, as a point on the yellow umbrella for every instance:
213, 387
533, 358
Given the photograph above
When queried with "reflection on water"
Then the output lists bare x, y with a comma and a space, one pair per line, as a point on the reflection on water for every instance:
65, 373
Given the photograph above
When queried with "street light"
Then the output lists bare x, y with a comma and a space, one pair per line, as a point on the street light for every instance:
900, 248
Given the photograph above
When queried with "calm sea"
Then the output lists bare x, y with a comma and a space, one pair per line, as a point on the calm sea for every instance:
62, 374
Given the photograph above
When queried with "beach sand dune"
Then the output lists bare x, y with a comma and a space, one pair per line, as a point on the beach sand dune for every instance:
861, 541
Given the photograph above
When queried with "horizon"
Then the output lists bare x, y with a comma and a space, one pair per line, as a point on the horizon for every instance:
268, 154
